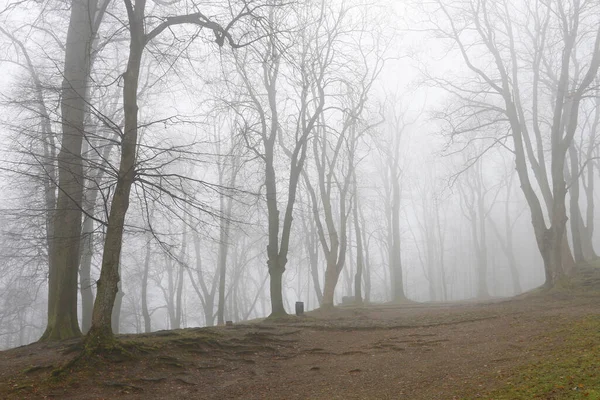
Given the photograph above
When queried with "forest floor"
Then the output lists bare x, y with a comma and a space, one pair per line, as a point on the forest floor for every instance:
538, 345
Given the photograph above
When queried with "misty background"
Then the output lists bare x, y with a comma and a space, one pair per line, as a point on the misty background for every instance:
409, 154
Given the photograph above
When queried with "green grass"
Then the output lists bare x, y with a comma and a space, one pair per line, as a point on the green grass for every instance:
569, 370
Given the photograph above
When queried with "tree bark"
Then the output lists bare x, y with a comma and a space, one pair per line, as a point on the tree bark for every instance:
367, 267
358, 297
145, 312
573, 176
100, 330
588, 226
115, 317
181, 264
225, 207
395, 252
312, 247
85, 280
66, 235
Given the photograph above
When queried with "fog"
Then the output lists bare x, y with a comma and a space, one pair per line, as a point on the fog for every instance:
221, 161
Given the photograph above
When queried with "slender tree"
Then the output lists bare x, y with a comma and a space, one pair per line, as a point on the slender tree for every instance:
100, 331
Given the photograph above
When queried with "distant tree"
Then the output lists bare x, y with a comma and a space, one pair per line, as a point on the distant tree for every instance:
267, 131
476, 209
580, 173
506, 238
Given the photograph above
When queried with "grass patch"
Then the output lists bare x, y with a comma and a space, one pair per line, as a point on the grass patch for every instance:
570, 370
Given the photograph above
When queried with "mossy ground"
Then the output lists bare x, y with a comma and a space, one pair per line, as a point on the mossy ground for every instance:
81, 362
569, 370
570, 367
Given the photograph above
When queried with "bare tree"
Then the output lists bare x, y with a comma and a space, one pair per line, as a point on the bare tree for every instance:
490, 40
100, 331
266, 126
85, 20
582, 230
335, 147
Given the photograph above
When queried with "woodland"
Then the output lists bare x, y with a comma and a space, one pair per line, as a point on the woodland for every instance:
170, 165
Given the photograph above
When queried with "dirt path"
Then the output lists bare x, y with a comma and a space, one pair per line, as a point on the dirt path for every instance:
403, 352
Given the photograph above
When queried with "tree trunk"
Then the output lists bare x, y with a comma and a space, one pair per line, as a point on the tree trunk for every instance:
109, 276
483, 290
358, 298
277, 258
588, 226
87, 250
275, 286
575, 211
66, 236
583, 247
179, 296
331, 278
170, 292
145, 313
222, 259
85, 280
442, 256
116, 310
313, 255
395, 256
367, 258
348, 270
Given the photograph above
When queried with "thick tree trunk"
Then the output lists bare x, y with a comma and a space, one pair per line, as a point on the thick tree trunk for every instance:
550, 242
276, 287
331, 278
66, 235
332, 274
209, 307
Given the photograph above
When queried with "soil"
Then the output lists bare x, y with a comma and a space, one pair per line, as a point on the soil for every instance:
411, 351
